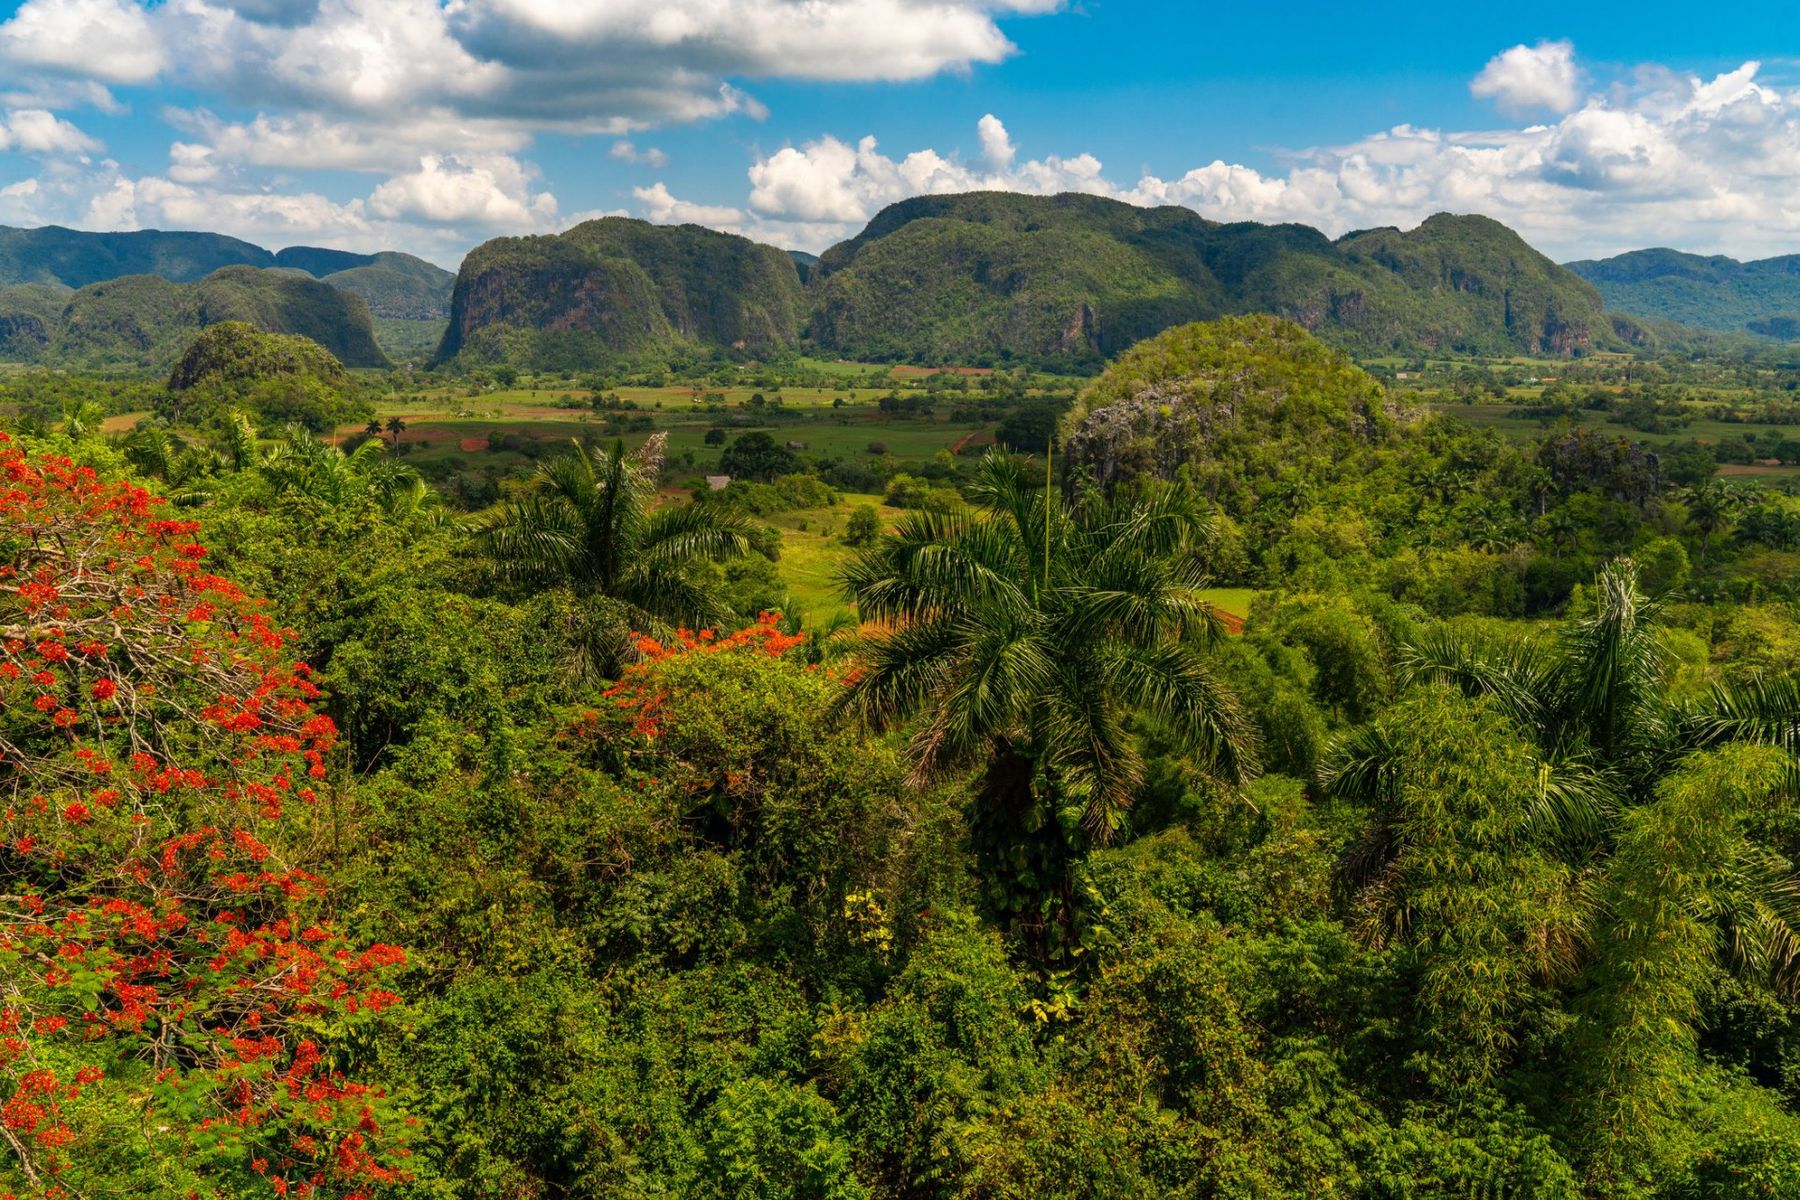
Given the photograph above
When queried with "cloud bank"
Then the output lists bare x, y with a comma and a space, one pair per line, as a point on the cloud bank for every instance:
1659, 159
439, 105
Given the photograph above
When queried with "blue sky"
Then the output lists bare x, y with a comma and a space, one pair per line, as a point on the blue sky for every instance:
425, 126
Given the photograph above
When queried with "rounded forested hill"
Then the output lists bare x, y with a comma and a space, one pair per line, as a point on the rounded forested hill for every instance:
1472, 285
398, 286
236, 351
1236, 404
618, 285
994, 276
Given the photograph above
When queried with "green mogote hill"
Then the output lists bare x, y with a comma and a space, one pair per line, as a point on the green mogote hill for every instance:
1713, 292
619, 286
1231, 404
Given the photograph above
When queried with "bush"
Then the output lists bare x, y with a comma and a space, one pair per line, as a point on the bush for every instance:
786, 494
863, 527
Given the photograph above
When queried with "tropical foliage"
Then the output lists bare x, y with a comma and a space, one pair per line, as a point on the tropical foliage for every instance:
1321, 799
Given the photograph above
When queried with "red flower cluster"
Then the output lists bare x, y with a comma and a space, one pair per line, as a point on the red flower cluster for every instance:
152, 877
637, 691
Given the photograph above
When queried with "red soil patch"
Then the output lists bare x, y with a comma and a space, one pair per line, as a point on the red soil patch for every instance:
1232, 623
926, 372
976, 438
470, 445
1752, 469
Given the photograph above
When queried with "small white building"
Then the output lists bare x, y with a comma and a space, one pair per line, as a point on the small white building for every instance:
718, 483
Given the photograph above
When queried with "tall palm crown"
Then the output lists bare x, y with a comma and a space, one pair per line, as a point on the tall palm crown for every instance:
593, 525
1596, 699
1028, 631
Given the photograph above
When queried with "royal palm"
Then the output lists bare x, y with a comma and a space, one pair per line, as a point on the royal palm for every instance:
593, 525
1024, 635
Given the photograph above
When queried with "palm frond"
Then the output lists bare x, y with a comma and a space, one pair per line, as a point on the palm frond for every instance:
1765, 710
1174, 684
1514, 673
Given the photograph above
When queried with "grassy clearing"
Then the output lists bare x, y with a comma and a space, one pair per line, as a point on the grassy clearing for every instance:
813, 553
1235, 601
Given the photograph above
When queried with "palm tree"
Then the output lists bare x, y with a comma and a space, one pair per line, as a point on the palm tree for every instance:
593, 525
237, 441
152, 449
1025, 634
299, 464
1560, 526
1628, 789
82, 418
396, 426
1710, 507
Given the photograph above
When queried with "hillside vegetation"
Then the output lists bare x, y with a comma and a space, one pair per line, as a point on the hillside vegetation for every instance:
51, 262
1711, 292
992, 276
619, 286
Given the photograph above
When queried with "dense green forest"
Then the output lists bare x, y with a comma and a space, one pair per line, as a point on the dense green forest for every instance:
1243, 773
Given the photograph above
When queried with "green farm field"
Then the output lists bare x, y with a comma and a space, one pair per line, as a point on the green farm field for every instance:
1512, 421
440, 435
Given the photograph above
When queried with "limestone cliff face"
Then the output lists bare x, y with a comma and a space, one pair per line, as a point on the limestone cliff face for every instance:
1212, 399
622, 286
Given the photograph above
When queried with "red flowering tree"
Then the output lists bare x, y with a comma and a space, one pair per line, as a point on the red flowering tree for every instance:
170, 994
641, 690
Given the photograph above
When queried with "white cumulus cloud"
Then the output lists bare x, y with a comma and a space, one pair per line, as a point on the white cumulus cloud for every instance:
111, 41
1710, 164
1526, 78
35, 131
491, 192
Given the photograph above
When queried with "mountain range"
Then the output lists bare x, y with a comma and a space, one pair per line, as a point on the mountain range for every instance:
134, 300
393, 284
1708, 292
1065, 282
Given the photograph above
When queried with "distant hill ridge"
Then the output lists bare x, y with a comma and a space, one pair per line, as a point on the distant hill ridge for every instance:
145, 321
1066, 281
1706, 291
393, 284
993, 277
